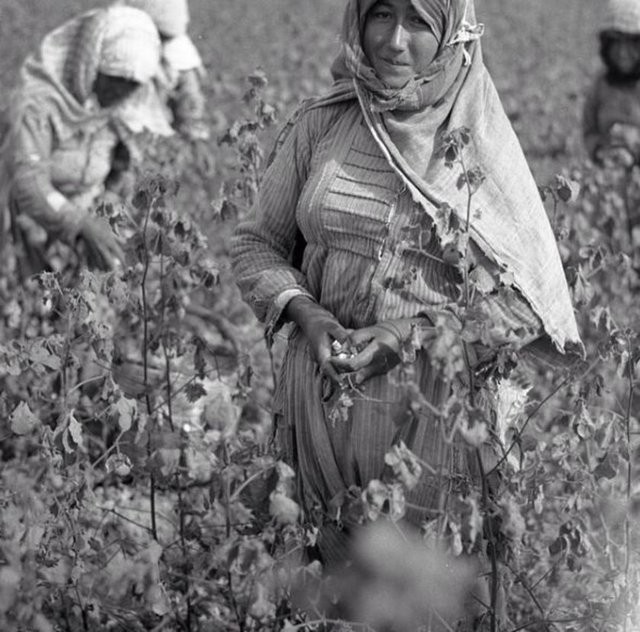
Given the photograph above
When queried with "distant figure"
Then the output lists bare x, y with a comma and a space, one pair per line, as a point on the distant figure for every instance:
68, 138
612, 109
179, 84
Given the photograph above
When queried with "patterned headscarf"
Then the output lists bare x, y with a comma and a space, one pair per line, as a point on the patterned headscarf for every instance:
446, 18
57, 81
511, 227
623, 16
119, 41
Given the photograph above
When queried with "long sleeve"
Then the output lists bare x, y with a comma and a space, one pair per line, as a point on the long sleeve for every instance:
262, 246
509, 317
31, 190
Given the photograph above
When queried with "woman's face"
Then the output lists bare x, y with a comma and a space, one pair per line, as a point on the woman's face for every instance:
110, 90
623, 54
398, 42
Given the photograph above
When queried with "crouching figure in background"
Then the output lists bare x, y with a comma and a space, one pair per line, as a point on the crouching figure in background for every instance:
612, 109
178, 85
68, 138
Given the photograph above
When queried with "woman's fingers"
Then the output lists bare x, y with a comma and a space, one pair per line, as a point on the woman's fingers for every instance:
339, 333
361, 336
324, 358
359, 360
328, 369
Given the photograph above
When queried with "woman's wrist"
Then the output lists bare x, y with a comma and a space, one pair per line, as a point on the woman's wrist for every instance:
298, 306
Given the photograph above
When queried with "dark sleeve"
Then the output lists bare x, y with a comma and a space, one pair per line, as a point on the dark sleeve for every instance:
590, 131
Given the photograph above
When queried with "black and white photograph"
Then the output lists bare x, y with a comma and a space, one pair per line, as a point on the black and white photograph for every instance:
319, 316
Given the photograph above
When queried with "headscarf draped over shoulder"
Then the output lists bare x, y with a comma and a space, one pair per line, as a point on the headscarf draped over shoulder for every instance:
511, 225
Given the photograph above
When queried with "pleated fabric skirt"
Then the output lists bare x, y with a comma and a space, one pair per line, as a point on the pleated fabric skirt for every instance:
333, 456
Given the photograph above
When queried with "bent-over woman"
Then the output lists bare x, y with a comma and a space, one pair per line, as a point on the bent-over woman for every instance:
68, 138
348, 244
178, 85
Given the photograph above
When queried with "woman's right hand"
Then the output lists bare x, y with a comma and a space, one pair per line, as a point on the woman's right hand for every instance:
101, 245
320, 327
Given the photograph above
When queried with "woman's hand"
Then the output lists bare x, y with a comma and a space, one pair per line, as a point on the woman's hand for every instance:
320, 327
101, 246
380, 348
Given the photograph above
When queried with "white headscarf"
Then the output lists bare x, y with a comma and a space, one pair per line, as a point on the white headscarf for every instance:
130, 45
171, 17
623, 16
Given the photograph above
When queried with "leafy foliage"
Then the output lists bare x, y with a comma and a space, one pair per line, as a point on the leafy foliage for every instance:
140, 490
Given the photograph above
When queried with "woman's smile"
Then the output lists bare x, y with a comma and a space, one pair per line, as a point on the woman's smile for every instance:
396, 63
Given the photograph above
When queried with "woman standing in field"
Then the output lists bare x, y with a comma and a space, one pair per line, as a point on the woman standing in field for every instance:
68, 138
358, 180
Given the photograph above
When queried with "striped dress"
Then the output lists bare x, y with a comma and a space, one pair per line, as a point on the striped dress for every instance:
370, 256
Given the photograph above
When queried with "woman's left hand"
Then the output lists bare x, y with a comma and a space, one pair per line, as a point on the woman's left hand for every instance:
380, 349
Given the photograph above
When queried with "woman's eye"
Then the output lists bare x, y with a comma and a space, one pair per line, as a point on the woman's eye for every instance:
381, 14
417, 21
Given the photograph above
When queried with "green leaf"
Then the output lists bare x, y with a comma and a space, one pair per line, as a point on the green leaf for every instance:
482, 280
567, 190
119, 464
406, 468
126, 409
605, 469
39, 354
73, 429
157, 600
23, 421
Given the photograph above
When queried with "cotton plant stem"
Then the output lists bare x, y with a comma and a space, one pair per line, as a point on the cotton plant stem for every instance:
467, 290
520, 577
145, 366
182, 461
493, 554
494, 584
627, 522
